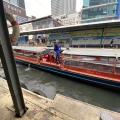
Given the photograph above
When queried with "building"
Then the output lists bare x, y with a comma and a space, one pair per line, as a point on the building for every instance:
85, 3
17, 8
97, 10
70, 19
40, 23
63, 7
67, 12
93, 35
45, 22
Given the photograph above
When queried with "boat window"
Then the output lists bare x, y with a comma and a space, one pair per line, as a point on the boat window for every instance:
102, 64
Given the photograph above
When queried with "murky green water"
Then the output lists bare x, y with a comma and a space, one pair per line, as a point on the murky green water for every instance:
48, 85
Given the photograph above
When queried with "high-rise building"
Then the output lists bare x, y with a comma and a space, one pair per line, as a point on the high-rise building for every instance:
63, 7
17, 8
67, 12
96, 10
21, 3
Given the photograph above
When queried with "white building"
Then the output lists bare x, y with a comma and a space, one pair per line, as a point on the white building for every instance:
62, 7
67, 12
70, 19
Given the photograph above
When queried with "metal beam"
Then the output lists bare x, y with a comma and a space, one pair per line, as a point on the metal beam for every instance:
9, 66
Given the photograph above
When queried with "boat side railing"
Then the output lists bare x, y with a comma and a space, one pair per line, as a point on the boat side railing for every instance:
106, 65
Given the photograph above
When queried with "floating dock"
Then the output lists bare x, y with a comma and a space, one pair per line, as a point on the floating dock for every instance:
61, 108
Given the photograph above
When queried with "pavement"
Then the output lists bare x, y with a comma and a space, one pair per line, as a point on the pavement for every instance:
61, 108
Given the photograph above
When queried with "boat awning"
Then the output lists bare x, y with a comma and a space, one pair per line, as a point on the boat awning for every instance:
103, 52
30, 49
115, 53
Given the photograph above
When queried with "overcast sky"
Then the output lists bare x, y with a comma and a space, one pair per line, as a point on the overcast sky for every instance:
38, 8
41, 8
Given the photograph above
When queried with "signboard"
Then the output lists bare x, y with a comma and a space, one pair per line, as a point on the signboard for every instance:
111, 32
87, 33
58, 36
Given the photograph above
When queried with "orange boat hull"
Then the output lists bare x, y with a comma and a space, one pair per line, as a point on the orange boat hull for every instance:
85, 75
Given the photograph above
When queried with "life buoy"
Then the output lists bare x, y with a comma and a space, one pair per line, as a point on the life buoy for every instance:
16, 31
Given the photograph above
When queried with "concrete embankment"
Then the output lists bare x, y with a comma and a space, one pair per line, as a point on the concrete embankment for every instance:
61, 108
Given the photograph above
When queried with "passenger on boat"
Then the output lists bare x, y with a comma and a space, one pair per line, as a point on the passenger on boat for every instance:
40, 58
111, 43
57, 49
50, 57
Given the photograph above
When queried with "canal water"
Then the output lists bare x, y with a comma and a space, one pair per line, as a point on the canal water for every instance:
49, 85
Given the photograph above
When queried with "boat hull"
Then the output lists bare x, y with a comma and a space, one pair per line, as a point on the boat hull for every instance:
113, 85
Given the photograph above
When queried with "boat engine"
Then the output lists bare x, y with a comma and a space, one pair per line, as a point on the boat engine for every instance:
15, 26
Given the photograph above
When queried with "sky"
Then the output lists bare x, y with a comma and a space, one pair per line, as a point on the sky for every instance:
41, 8
38, 8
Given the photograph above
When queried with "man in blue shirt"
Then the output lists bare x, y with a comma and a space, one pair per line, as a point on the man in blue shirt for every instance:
57, 49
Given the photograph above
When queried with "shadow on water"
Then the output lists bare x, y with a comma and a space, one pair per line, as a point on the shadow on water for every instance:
49, 85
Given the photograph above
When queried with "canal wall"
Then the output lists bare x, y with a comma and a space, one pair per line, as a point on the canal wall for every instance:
61, 108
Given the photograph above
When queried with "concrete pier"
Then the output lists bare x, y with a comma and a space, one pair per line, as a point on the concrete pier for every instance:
61, 108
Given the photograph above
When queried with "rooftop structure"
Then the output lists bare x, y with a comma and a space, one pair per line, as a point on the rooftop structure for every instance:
40, 23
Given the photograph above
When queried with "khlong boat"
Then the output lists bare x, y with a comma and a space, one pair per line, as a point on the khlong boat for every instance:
96, 66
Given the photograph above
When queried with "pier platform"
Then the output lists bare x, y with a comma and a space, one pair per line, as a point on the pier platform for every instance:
61, 108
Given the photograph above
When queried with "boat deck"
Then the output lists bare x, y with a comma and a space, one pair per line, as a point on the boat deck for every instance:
61, 108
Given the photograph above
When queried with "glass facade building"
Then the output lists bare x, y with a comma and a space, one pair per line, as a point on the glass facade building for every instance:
85, 3
95, 10
14, 2
21, 3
